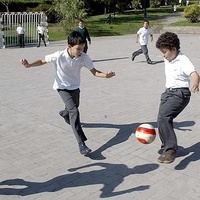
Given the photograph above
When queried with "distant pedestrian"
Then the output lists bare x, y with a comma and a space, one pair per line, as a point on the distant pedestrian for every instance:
142, 37
178, 71
41, 30
21, 32
175, 7
109, 19
84, 32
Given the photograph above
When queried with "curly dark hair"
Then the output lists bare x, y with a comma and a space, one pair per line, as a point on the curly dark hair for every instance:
168, 40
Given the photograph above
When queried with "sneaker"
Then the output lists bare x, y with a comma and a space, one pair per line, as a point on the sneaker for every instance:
151, 62
133, 57
84, 150
167, 157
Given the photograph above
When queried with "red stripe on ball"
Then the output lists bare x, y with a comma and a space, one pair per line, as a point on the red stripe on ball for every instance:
146, 130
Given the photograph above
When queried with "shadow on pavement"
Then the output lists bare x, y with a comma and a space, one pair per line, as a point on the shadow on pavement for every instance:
125, 131
109, 59
194, 155
110, 176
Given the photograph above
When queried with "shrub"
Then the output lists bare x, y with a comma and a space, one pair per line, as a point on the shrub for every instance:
192, 12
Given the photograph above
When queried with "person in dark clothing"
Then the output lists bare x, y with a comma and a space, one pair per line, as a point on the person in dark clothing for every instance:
85, 34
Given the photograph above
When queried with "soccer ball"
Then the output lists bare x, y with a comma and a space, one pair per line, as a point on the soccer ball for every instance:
145, 133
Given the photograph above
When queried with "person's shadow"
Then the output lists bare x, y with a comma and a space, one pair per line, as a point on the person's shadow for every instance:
110, 176
125, 131
194, 156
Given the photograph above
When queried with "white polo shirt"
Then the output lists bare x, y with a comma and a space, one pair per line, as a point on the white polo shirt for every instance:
144, 35
20, 30
68, 69
41, 29
178, 71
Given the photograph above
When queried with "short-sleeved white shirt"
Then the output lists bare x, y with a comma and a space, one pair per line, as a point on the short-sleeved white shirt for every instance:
68, 69
144, 35
41, 29
178, 71
20, 30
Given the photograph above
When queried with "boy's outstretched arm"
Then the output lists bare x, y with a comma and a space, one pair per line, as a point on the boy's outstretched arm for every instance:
33, 64
98, 73
195, 82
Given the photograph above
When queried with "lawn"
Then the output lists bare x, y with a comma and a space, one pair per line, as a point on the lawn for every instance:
125, 23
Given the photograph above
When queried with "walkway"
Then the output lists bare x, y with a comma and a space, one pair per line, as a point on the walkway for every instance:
38, 152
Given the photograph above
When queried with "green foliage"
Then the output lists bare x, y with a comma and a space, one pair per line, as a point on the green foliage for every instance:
192, 13
39, 8
154, 3
135, 3
69, 11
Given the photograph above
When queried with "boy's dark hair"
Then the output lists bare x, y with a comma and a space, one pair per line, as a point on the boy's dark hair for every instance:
146, 21
168, 40
75, 38
80, 20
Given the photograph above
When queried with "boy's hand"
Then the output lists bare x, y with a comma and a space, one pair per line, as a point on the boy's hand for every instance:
195, 88
110, 74
25, 63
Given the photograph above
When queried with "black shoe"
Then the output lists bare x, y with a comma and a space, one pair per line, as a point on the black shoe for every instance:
38, 46
133, 57
151, 62
84, 150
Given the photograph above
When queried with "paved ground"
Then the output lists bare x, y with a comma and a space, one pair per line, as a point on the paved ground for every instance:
39, 158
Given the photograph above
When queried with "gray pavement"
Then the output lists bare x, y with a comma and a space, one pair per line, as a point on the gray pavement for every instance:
39, 158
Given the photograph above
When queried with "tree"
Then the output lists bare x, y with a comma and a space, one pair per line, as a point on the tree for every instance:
6, 3
69, 11
192, 13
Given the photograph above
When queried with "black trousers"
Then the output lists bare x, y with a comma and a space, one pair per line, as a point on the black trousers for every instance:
71, 112
21, 40
41, 36
86, 47
173, 101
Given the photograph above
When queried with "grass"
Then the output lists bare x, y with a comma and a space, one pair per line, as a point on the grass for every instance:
126, 23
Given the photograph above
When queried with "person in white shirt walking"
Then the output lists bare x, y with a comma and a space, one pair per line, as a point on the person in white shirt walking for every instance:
142, 37
41, 31
20, 32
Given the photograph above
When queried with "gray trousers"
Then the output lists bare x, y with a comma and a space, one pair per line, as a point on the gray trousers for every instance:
173, 101
71, 113
143, 50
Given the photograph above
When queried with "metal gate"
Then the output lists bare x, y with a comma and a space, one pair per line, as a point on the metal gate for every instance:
29, 21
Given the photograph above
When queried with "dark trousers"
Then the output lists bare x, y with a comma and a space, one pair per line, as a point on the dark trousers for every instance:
86, 47
41, 36
71, 112
143, 50
173, 101
21, 40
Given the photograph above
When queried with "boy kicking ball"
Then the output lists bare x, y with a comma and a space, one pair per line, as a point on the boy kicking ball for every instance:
68, 64
178, 71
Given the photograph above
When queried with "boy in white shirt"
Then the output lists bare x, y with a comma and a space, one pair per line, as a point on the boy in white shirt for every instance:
68, 64
20, 32
41, 31
142, 37
178, 71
